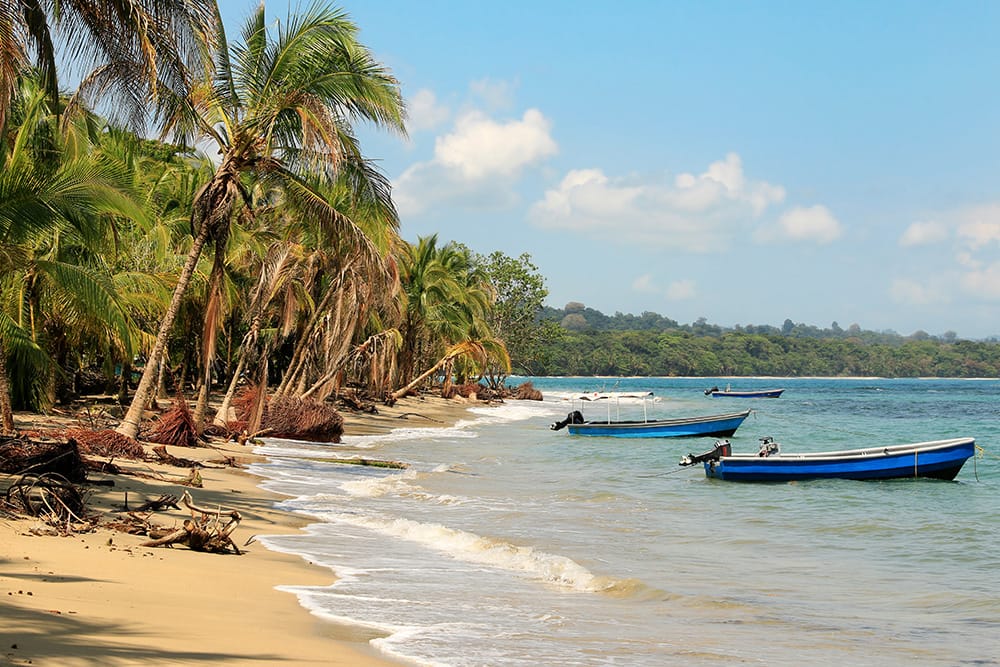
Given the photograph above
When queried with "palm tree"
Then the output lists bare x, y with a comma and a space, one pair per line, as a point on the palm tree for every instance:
448, 297
278, 108
57, 200
348, 299
133, 48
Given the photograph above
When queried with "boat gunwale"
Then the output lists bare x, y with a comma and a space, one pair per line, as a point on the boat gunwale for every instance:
859, 454
746, 392
652, 423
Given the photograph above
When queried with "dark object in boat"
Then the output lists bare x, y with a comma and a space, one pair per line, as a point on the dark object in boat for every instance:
575, 417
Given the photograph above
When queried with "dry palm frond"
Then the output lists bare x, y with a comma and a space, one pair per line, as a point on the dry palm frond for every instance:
245, 401
108, 443
527, 392
176, 427
22, 456
299, 419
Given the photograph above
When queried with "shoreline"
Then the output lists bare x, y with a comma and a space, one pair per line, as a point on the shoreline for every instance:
99, 598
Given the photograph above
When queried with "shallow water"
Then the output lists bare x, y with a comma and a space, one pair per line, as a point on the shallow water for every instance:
506, 543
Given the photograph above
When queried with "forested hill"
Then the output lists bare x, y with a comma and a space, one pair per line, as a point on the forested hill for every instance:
589, 342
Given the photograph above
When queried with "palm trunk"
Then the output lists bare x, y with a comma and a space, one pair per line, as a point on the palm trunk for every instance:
249, 341
6, 411
221, 417
299, 355
161, 388
423, 376
208, 339
130, 424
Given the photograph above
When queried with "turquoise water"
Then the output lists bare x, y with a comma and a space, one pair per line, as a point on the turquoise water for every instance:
506, 543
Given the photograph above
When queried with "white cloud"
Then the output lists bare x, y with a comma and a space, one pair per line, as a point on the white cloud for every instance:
912, 293
495, 94
814, 224
424, 112
644, 283
984, 283
678, 290
697, 213
924, 233
681, 290
475, 165
980, 226
480, 146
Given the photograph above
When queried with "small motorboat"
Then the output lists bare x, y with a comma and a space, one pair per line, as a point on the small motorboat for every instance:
750, 393
716, 426
937, 459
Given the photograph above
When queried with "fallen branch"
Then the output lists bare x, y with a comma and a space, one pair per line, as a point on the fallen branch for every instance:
375, 463
417, 414
202, 533
165, 457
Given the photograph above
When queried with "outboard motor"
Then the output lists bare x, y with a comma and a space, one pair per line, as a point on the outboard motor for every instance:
709, 391
575, 417
722, 448
768, 447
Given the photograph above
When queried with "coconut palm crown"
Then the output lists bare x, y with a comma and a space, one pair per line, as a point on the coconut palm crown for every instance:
279, 105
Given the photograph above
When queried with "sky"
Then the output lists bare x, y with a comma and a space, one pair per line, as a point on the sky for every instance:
741, 162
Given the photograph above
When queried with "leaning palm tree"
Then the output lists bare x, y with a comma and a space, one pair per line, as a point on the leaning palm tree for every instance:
279, 108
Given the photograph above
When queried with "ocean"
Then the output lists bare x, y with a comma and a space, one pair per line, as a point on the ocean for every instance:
506, 543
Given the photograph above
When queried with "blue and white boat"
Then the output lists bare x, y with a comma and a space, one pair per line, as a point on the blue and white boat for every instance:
715, 392
716, 426
938, 459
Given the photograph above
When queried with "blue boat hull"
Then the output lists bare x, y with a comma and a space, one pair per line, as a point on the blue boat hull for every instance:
717, 426
768, 393
941, 459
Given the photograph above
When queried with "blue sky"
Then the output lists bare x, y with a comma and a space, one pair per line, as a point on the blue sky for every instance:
744, 162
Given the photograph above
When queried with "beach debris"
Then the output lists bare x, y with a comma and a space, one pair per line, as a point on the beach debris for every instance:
165, 501
166, 457
354, 400
407, 415
50, 497
204, 531
302, 419
374, 463
527, 392
107, 442
175, 427
19, 456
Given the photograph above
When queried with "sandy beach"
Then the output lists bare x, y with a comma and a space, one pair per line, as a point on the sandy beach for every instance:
98, 598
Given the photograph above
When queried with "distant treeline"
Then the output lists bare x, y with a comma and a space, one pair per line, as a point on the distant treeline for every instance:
592, 343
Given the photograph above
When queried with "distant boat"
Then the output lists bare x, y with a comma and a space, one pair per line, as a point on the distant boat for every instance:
610, 395
753, 393
938, 459
717, 426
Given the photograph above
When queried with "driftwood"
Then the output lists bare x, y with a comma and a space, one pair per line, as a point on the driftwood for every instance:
161, 503
204, 531
170, 459
356, 402
374, 463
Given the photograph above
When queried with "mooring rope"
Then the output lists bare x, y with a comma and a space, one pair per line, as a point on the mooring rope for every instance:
663, 474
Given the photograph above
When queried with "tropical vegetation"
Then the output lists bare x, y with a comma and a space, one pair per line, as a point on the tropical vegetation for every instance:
259, 246
592, 343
